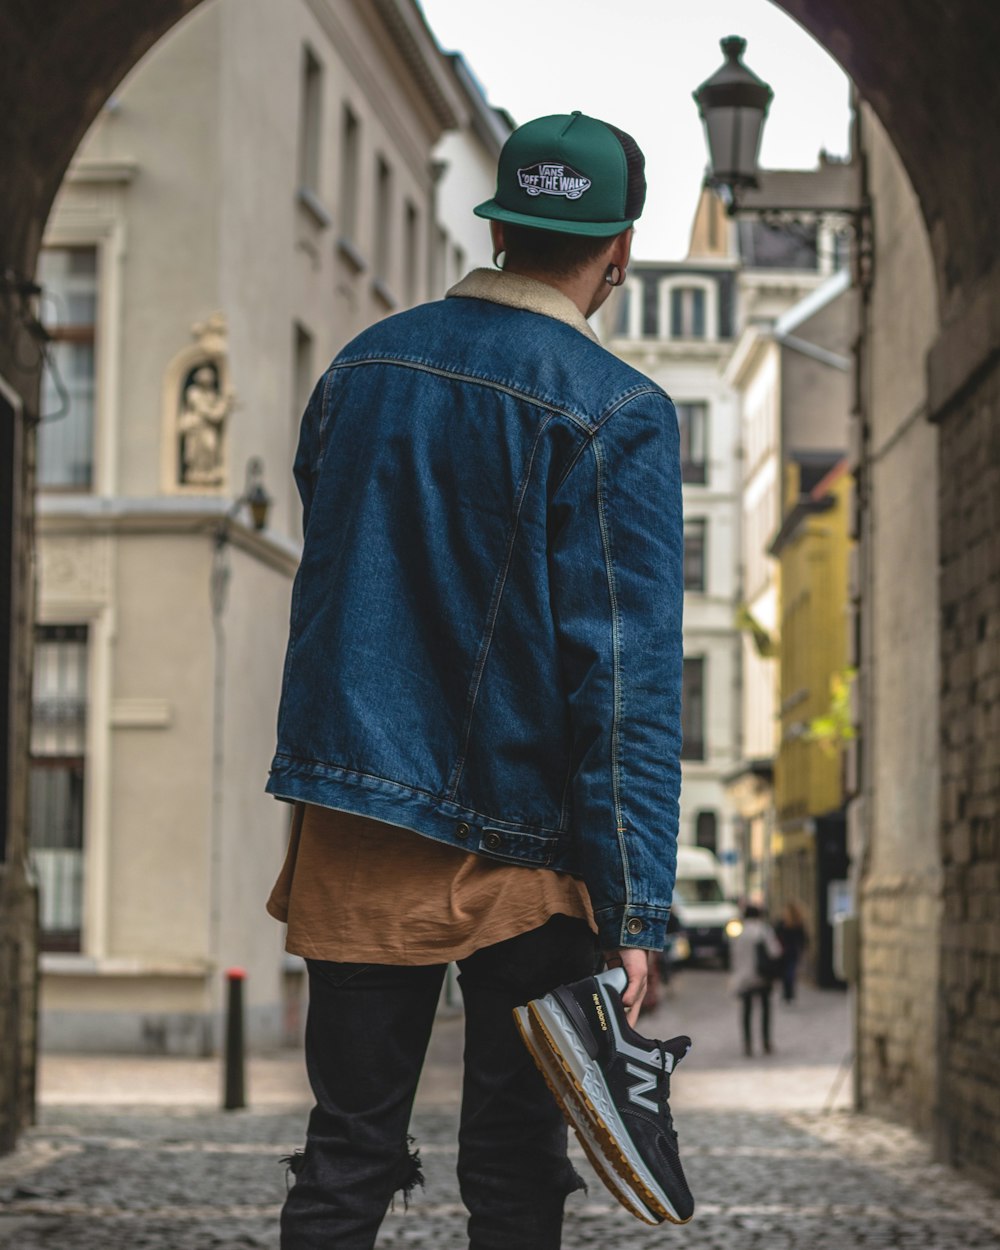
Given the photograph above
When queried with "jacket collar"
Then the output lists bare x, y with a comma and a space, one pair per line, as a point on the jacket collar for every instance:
516, 291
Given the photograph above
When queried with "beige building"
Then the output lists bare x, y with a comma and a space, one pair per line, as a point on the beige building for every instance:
268, 181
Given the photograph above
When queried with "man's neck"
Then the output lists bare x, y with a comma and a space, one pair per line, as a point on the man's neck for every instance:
582, 288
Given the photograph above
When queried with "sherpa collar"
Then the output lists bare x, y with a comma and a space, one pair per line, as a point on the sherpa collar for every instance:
516, 291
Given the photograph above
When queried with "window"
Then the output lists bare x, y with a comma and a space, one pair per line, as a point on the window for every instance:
350, 145
383, 220
706, 830
58, 734
693, 421
694, 553
411, 259
693, 709
698, 890
302, 371
310, 122
687, 312
68, 277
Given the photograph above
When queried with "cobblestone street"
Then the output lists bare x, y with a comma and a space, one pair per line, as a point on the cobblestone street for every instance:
773, 1156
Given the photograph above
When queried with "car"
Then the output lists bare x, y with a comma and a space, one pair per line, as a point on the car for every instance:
706, 916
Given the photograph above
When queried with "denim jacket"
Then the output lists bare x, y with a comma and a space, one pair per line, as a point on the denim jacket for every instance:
485, 641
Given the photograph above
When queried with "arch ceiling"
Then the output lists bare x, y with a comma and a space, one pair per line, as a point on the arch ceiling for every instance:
926, 66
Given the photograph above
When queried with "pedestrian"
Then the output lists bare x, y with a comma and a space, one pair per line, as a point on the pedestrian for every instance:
480, 713
756, 962
791, 933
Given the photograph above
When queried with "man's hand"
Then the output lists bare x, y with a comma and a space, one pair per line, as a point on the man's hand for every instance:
636, 965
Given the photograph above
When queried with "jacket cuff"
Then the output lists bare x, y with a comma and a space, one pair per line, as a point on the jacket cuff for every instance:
643, 927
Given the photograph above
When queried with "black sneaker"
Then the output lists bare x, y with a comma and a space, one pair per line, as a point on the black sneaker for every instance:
585, 1131
613, 1085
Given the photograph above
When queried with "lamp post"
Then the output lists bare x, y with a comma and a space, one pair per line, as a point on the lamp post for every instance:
733, 104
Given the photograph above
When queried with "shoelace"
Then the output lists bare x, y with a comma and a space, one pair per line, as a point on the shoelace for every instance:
664, 1092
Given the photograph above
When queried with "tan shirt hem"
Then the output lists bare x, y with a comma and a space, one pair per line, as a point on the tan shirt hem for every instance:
358, 890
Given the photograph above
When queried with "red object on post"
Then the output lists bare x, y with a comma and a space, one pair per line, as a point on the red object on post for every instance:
235, 1066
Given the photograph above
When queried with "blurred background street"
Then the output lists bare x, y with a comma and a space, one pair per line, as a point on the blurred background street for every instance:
133, 1152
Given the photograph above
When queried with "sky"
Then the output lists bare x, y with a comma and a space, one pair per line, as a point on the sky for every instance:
635, 63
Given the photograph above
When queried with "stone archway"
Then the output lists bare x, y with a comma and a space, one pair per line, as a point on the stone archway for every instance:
927, 70
924, 71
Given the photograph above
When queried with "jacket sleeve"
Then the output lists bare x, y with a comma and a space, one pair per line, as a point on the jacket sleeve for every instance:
616, 554
309, 450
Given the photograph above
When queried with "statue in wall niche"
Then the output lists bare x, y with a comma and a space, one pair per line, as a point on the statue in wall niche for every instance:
201, 426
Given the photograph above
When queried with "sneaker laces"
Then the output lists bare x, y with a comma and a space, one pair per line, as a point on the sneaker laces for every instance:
664, 1092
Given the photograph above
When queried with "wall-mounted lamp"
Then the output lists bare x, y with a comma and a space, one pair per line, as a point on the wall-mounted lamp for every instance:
733, 105
254, 494
256, 498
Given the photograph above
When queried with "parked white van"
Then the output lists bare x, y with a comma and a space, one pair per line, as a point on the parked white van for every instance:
700, 904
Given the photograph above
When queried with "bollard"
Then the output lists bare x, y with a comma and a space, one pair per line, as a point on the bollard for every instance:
235, 1084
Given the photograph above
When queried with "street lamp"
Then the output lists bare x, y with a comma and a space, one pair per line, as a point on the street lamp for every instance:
733, 104
256, 498
254, 494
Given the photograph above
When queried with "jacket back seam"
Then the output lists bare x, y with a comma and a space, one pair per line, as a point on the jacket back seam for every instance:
579, 422
491, 619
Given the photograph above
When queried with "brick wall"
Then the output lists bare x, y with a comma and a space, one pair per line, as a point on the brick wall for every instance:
18, 898
968, 1131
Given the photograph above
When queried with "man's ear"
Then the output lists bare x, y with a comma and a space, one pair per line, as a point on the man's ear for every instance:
621, 249
496, 234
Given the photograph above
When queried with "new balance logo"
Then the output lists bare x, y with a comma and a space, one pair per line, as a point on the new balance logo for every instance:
646, 1084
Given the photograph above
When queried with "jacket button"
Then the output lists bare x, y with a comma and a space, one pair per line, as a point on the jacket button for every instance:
492, 841
462, 831
634, 925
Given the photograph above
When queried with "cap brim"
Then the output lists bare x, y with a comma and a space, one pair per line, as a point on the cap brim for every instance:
595, 229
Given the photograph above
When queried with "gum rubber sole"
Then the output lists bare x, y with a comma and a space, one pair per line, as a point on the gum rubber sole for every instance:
571, 1089
540, 1051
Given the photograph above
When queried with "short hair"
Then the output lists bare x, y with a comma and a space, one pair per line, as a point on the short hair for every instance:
549, 251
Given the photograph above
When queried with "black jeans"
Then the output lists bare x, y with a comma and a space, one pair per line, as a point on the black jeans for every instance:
762, 992
366, 1037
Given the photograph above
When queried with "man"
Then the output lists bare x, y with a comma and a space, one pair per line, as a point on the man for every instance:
480, 715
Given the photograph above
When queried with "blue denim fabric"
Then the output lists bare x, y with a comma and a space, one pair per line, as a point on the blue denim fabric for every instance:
485, 640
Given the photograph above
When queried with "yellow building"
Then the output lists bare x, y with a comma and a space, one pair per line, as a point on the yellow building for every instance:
812, 548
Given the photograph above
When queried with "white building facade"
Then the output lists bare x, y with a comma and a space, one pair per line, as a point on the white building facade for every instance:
266, 183
701, 329
675, 322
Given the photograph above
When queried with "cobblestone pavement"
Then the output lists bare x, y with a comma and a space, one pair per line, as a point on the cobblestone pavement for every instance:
768, 1170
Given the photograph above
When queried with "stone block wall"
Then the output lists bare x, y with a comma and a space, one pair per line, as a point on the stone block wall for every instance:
897, 999
968, 1128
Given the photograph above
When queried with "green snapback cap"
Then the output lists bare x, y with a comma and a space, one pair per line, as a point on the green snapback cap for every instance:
568, 173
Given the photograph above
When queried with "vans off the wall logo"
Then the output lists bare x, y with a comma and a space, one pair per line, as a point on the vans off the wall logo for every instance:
552, 178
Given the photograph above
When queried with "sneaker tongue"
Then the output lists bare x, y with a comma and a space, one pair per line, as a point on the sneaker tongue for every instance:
678, 1047
615, 979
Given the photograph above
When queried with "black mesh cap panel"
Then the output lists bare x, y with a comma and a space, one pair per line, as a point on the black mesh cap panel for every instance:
635, 163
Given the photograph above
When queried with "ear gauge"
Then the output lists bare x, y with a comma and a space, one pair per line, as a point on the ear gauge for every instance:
614, 275
500, 258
